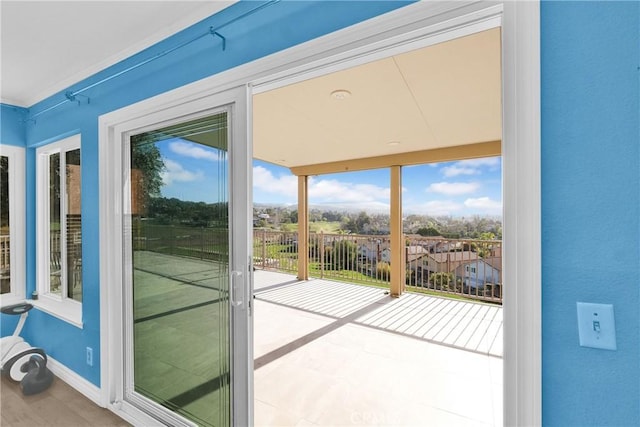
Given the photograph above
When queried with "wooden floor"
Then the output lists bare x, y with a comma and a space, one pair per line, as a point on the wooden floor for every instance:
60, 405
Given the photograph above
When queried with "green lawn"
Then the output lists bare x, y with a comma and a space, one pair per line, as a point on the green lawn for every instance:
315, 227
362, 279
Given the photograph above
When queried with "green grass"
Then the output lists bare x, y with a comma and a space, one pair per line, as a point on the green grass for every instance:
358, 278
345, 275
315, 227
277, 251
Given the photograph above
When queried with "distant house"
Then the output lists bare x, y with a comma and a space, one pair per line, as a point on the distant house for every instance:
477, 273
385, 255
366, 252
414, 253
441, 262
374, 251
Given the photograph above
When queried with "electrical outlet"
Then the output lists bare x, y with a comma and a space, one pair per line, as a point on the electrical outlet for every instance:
89, 356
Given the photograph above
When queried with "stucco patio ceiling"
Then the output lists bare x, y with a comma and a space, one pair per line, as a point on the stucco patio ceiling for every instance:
444, 95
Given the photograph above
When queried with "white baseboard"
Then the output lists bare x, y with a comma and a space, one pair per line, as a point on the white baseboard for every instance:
89, 390
125, 411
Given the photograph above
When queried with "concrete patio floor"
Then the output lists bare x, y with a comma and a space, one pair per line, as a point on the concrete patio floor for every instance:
334, 354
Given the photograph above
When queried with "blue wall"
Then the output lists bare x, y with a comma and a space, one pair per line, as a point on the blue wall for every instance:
12, 126
270, 30
590, 181
590, 208
12, 132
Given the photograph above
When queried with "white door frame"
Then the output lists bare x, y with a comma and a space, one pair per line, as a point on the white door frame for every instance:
114, 207
416, 25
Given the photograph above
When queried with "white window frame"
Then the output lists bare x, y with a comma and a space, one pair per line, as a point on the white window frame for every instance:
419, 24
16, 157
116, 128
59, 306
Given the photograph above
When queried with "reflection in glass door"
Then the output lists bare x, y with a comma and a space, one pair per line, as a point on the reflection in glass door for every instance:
5, 240
177, 289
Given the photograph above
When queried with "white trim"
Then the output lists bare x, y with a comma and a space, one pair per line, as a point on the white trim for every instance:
132, 415
522, 219
17, 171
60, 306
241, 249
65, 309
116, 305
521, 150
89, 390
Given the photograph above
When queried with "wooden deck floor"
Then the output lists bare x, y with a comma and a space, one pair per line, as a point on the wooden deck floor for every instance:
60, 405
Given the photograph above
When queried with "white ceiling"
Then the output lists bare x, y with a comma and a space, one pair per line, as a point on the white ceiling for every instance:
46, 46
444, 95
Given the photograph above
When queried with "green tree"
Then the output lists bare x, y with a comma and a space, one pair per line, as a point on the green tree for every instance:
146, 158
428, 231
442, 281
356, 225
344, 255
483, 249
383, 271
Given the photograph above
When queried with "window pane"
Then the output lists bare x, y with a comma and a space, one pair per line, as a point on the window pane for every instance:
73, 225
54, 224
5, 254
180, 270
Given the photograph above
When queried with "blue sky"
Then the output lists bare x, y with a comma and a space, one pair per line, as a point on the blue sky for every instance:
192, 170
464, 188
471, 187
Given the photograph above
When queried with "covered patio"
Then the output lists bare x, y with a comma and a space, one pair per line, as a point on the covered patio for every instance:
332, 353
438, 103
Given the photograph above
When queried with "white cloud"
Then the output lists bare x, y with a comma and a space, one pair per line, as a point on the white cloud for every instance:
484, 161
453, 188
174, 172
331, 190
265, 182
471, 166
189, 149
434, 208
484, 205
451, 171
373, 206
322, 191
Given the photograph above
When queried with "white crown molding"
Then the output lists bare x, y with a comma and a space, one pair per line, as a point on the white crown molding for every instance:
206, 10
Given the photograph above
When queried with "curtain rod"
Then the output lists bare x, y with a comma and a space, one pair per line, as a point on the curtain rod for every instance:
213, 31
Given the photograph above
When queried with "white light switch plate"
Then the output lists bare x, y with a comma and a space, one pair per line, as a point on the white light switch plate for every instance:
596, 326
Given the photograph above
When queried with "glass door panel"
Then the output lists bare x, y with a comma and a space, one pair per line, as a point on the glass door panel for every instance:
5, 251
179, 350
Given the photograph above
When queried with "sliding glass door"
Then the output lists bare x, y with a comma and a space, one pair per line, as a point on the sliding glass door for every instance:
186, 278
